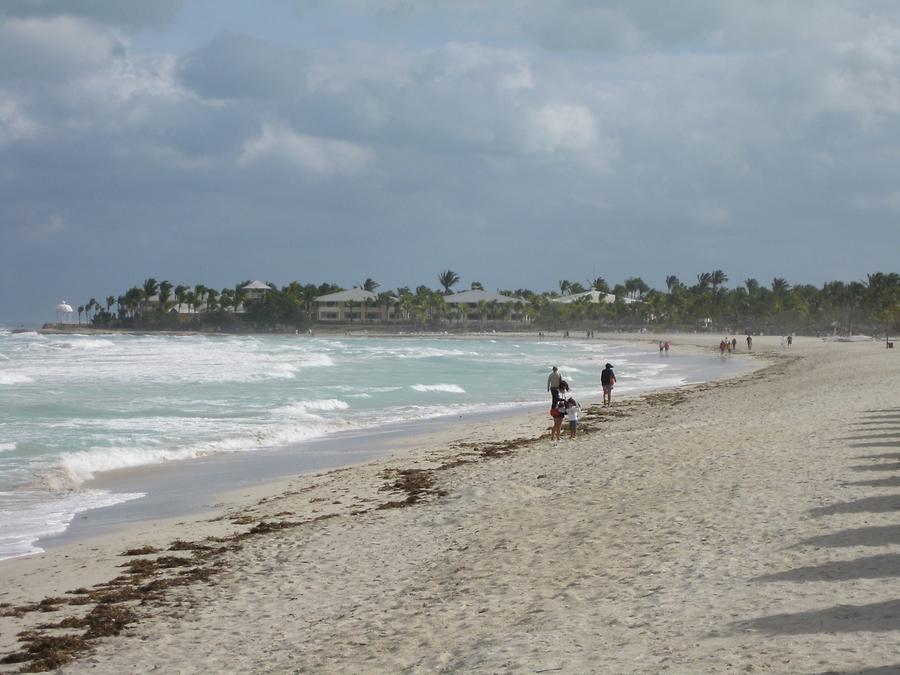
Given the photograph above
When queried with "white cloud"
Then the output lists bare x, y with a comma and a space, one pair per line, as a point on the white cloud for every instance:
561, 127
15, 124
316, 155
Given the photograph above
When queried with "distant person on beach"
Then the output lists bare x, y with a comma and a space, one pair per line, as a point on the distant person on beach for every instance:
572, 408
666, 346
661, 347
790, 340
734, 344
557, 412
553, 384
722, 347
749, 343
608, 381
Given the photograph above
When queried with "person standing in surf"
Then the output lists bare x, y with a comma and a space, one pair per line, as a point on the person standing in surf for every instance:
553, 381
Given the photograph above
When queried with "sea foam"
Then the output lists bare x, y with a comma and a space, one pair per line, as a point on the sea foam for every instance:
446, 388
14, 378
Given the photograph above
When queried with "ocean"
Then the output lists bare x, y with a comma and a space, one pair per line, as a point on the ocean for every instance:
73, 406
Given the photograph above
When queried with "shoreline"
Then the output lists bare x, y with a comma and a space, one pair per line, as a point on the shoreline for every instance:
213, 471
190, 487
494, 516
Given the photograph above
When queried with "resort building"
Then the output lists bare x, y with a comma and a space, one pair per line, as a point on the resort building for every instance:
255, 291
354, 305
593, 297
478, 305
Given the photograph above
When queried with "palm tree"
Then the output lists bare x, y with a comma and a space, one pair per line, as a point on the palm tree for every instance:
477, 286
704, 280
564, 286
165, 292
672, 282
370, 285
211, 297
636, 287
225, 299
779, 285
180, 292
110, 301
151, 288
599, 284
200, 296
447, 279
717, 278
237, 298
80, 312
134, 298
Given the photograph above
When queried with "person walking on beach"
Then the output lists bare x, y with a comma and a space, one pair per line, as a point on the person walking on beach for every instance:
553, 384
734, 344
608, 381
749, 343
666, 346
790, 339
572, 409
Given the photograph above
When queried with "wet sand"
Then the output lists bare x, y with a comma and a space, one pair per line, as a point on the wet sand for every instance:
743, 525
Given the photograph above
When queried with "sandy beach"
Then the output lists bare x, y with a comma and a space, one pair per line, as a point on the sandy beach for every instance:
735, 526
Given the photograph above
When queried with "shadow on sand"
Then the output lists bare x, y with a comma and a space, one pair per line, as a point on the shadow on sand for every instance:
871, 567
893, 481
881, 504
877, 617
884, 535
876, 467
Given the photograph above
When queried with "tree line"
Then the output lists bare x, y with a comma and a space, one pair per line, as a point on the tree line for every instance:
871, 306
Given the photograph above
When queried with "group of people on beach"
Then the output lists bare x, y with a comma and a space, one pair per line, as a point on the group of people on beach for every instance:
565, 407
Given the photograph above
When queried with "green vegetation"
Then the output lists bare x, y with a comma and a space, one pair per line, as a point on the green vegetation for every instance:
871, 306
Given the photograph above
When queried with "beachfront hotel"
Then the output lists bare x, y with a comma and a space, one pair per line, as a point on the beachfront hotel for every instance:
357, 304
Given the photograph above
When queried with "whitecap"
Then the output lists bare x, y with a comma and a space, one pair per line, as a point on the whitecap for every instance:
6, 447
304, 407
14, 378
85, 343
446, 388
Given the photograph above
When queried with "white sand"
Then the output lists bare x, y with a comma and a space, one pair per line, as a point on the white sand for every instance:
748, 525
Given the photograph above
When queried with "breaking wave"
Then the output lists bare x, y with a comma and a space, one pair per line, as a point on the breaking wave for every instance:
447, 388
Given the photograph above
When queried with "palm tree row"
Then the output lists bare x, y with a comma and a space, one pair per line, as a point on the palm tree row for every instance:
779, 306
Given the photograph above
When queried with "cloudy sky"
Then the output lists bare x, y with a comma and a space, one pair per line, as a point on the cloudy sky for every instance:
517, 142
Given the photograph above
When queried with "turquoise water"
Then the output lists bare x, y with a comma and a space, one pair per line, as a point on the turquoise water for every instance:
75, 405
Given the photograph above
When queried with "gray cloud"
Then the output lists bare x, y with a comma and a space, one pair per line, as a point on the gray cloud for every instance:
239, 66
152, 13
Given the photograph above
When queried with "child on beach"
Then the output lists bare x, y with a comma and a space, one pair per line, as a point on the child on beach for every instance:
572, 409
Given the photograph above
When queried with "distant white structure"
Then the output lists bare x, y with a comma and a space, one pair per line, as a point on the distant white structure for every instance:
356, 304
469, 304
256, 291
594, 297
64, 312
